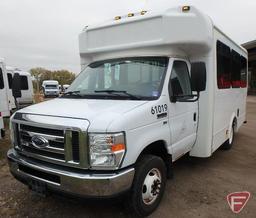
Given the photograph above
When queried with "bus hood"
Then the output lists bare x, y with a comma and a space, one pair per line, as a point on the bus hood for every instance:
100, 113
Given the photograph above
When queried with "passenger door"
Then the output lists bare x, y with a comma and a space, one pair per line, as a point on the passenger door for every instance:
183, 115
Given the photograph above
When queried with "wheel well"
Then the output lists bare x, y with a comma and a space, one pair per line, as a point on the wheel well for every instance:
158, 148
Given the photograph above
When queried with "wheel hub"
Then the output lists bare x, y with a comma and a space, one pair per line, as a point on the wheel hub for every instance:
151, 186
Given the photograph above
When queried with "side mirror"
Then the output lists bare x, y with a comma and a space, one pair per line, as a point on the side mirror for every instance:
16, 86
198, 76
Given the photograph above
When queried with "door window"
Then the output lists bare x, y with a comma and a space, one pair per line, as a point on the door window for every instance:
1, 79
24, 82
9, 76
180, 84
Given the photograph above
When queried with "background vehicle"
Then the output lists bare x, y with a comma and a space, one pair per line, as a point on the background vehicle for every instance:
2, 132
65, 87
27, 91
5, 102
177, 86
10, 72
51, 88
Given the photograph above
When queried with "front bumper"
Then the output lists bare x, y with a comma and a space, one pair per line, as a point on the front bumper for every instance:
53, 93
69, 181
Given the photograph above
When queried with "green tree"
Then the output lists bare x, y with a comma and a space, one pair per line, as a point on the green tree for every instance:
41, 74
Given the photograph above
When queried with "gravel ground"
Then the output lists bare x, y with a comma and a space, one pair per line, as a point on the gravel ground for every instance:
199, 188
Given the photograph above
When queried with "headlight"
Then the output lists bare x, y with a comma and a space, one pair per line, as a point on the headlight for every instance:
106, 150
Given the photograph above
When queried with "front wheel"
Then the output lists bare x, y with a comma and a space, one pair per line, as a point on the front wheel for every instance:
148, 185
229, 143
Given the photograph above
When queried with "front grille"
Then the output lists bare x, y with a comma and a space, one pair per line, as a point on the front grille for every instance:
75, 146
42, 130
63, 146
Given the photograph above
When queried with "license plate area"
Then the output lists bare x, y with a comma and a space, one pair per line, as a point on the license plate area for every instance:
38, 187
47, 177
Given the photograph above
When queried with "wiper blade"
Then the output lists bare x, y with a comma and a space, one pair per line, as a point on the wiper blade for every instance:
73, 93
118, 91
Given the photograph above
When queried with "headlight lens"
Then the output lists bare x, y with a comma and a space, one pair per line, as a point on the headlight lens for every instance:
106, 150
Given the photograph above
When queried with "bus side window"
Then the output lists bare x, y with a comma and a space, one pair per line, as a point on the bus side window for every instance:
9, 76
24, 82
223, 66
243, 72
235, 69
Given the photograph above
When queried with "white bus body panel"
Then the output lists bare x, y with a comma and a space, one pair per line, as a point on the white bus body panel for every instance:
10, 71
191, 36
229, 104
4, 103
1, 125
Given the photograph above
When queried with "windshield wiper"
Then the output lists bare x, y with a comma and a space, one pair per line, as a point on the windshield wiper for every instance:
117, 91
73, 93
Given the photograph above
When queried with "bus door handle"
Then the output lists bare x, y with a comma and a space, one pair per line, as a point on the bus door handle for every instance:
194, 116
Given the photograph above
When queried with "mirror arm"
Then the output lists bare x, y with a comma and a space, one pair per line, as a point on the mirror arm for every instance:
175, 99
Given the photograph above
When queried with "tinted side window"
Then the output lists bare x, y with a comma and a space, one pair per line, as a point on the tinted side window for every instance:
180, 80
9, 76
24, 82
243, 72
235, 69
1, 79
223, 66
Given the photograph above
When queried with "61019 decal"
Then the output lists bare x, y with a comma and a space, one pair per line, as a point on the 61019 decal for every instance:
159, 109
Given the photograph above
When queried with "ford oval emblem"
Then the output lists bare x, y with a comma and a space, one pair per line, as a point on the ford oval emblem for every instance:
39, 142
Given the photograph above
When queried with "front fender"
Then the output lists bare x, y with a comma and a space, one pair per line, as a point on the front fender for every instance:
138, 139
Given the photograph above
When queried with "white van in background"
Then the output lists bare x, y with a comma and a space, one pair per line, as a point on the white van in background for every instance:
65, 87
27, 91
51, 88
4, 101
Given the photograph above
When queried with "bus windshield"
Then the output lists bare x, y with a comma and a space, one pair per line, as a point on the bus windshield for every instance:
142, 77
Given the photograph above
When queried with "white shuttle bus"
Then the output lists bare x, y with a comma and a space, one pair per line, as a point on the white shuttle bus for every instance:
154, 87
51, 88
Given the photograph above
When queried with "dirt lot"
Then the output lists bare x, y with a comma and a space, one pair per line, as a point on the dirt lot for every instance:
199, 188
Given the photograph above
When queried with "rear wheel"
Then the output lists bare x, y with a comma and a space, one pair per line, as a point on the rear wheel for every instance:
148, 185
229, 143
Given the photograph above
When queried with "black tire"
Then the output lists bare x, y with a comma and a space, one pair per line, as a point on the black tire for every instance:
145, 166
229, 143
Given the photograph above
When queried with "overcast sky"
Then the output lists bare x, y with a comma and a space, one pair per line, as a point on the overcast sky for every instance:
44, 33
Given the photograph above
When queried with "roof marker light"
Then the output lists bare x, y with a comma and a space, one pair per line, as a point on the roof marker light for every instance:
185, 8
143, 12
118, 18
131, 15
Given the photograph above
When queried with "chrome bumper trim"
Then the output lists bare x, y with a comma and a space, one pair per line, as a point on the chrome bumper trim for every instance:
83, 184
